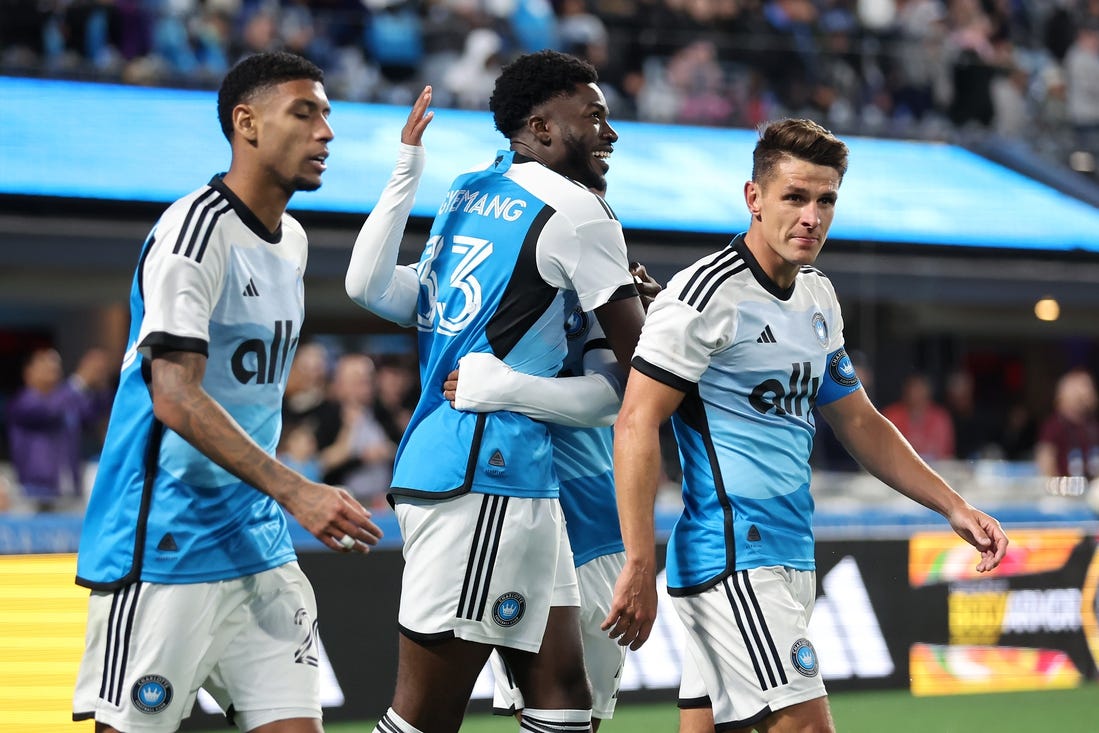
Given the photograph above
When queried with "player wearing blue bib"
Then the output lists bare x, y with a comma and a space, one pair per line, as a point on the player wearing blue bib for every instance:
737, 350
184, 530
487, 561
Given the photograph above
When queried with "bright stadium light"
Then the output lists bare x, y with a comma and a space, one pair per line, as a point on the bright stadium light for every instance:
1047, 309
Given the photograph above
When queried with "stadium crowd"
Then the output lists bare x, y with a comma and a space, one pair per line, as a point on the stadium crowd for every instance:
345, 412
1026, 70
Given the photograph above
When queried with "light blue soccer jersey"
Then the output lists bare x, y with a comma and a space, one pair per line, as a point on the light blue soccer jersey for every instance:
753, 360
584, 457
507, 242
210, 280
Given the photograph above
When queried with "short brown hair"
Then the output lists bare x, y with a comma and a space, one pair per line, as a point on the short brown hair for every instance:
797, 138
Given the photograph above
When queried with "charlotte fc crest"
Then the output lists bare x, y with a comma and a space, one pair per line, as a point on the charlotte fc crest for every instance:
151, 693
508, 609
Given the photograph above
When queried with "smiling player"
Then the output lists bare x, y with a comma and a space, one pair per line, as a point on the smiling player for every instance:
487, 560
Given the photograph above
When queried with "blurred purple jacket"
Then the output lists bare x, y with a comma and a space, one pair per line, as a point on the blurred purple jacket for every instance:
45, 434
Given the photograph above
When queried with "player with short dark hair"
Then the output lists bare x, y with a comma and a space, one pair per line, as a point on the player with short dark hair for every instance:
488, 563
185, 544
738, 350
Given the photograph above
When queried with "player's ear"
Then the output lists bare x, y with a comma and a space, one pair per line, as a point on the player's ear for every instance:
753, 197
245, 123
539, 127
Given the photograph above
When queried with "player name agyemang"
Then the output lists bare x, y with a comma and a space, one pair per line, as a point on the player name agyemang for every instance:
474, 202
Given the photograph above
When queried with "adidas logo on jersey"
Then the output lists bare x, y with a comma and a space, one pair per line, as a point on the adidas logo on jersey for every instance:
497, 466
250, 290
766, 337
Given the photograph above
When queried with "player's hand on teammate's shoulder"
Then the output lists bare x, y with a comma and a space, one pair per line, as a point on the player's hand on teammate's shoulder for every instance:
418, 119
333, 516
984, 533
647, 287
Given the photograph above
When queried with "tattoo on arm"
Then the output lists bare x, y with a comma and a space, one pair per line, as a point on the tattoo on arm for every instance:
184, 406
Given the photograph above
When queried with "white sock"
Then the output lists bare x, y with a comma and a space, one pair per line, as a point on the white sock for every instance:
556, 721
393, 723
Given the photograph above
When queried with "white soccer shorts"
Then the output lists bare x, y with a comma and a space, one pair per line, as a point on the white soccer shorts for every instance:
484, 568
603, 656
251, 642
748, 638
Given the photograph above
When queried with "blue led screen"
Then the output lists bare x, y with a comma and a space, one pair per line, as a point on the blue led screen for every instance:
82, 140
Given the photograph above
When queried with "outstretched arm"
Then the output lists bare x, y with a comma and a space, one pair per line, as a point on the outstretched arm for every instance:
182, 405
374, 280
881, 449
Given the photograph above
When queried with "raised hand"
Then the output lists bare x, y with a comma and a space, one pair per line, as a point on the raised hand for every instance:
418, 119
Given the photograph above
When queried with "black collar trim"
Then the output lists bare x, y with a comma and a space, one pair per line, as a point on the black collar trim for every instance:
250, 220
762, 277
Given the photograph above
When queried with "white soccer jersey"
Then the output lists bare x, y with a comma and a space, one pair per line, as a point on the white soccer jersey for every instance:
753, 360
212, 280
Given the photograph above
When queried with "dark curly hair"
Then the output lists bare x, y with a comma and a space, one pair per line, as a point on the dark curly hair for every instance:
255, 74
531, 80
801, 139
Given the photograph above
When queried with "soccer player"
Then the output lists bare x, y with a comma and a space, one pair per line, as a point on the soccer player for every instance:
737, 350
185, 544
578, 406
510, 240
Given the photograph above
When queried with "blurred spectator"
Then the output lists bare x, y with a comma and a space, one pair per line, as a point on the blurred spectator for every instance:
365, 449
917, 68
1018, 434
1059, 30
1011, 113
1082, 85
5, 495
472, 78
577, 28
535, 26
47, 421
925, 424
1068, 444
306, 402
298, 450
699, 83
972, 66
397, 393
971, 429
394, 38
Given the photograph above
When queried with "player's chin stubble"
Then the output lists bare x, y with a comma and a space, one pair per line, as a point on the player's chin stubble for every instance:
300, 183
